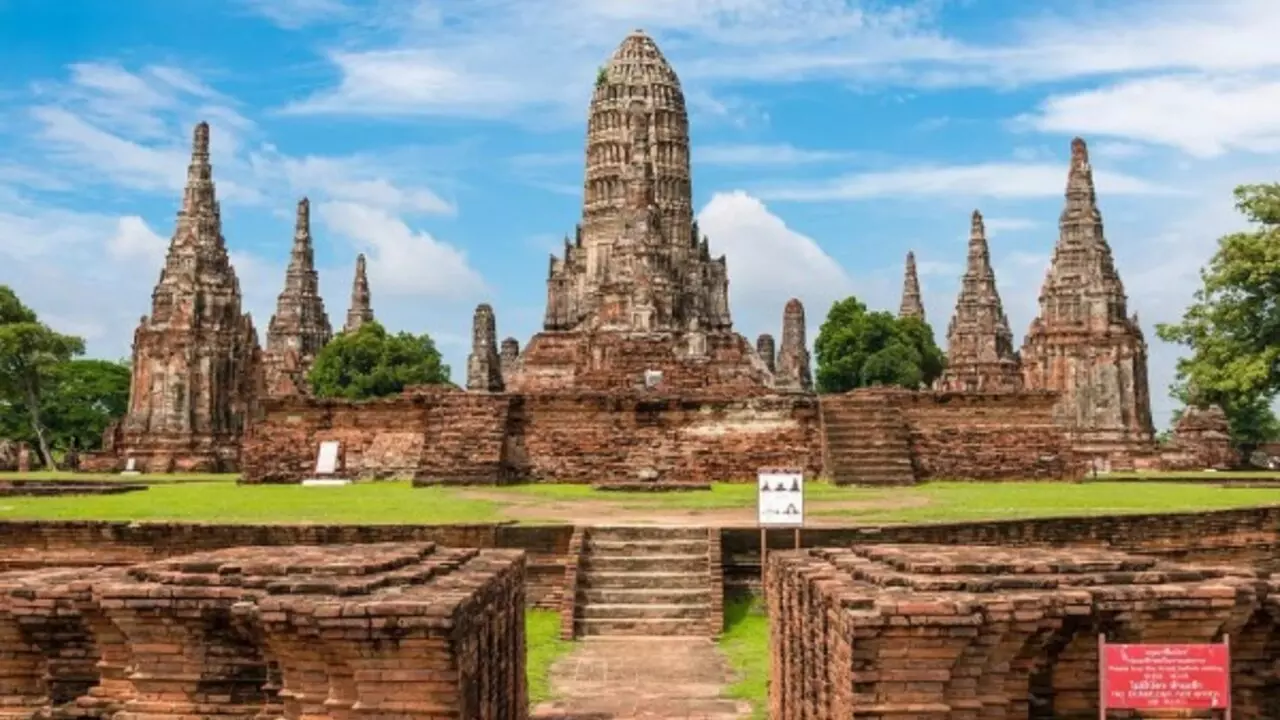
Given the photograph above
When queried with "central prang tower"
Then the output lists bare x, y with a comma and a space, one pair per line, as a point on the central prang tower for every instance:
636, 292
637, 261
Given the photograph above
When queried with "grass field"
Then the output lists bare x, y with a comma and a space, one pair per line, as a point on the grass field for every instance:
745, 644
544, 647
218, 499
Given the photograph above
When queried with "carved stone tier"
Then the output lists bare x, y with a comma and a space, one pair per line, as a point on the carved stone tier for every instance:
196, 356
300, 327
980, 354
1084, 344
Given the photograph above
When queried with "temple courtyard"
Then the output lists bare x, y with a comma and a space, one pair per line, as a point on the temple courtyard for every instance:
216, 498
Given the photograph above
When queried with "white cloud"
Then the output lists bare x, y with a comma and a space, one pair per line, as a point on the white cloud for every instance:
1008, 224
357, 179
996, 179
402, 261
296, 14
134, 239
769, 263
1202, 115
779, 154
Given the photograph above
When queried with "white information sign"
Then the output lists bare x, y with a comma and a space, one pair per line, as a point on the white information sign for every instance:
780, 498
327, 458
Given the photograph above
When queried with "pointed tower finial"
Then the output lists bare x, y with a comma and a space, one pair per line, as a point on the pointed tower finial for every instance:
912, 305
200, 140
361, 310
302, 225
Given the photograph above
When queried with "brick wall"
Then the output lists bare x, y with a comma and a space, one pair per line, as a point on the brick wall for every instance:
607, 437
456, 437
434, 435
986, 436
1247, 537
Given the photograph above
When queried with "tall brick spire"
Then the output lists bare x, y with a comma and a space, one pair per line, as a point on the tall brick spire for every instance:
1083, 344
300, 326
195, 357
980, 354
912, 305
361, 310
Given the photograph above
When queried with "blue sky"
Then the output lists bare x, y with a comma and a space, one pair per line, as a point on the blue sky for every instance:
444, 139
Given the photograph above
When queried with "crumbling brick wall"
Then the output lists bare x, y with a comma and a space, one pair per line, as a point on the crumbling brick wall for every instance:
950, 632
596, 437
987, 436
389, 631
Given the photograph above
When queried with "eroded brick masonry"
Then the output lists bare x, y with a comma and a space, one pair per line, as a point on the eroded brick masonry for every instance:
380, 631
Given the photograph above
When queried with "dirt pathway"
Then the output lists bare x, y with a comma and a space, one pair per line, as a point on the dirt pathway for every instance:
632, 510
641, 679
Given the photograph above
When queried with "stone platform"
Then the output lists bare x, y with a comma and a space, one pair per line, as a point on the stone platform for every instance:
388, 630
944, 633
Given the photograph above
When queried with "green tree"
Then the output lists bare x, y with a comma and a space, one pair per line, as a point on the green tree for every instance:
29, 350
374, 363
79, 398
1232, 326
859, 348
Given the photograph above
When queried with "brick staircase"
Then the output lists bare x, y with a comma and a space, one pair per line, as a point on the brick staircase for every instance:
645, 581
865, 441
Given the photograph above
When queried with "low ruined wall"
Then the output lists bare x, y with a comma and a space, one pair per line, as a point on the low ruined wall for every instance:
608, 437
1248, 537
462, 438
439, 435
987, 436
34, 544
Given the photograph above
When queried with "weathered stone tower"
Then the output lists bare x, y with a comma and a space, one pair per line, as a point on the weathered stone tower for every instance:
1084, 344
361, 308
484, 365
793, 372
912, 305
300, 326
637, 291
980, 354
196, 356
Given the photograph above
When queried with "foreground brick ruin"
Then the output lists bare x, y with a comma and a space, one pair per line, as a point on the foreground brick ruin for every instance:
375, 631
944, 632
638, 371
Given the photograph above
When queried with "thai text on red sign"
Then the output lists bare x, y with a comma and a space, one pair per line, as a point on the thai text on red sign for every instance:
1166, 677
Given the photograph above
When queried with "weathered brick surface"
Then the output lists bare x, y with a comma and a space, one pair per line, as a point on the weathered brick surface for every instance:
376, 631
436, 434
555, 437
956, 633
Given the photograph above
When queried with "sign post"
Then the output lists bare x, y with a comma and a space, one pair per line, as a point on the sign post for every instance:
1164, 677
779, 503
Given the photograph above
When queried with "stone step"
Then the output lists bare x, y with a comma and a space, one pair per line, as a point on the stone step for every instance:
892, 480
641, 627
645, 532
635, 548
643, 581
856, 450
646, 563
870, 465
658, 595
643, 612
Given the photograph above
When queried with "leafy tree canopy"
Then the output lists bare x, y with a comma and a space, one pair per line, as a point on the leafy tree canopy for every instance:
29, 351
859, 348
371, 362
1232, 326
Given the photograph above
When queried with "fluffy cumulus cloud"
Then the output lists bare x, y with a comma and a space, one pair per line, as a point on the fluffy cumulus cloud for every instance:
769, 263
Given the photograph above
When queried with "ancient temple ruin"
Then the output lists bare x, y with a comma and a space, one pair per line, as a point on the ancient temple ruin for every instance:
912, 305
361, 308
300, 327
1083, 344
637, 292
980, 354
196, 356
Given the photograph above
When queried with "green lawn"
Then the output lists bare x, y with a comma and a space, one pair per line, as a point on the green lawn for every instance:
745, 644
117, 477
216, 500
544, 647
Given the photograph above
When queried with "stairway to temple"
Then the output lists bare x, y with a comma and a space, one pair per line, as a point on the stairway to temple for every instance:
865, 441
644, 581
